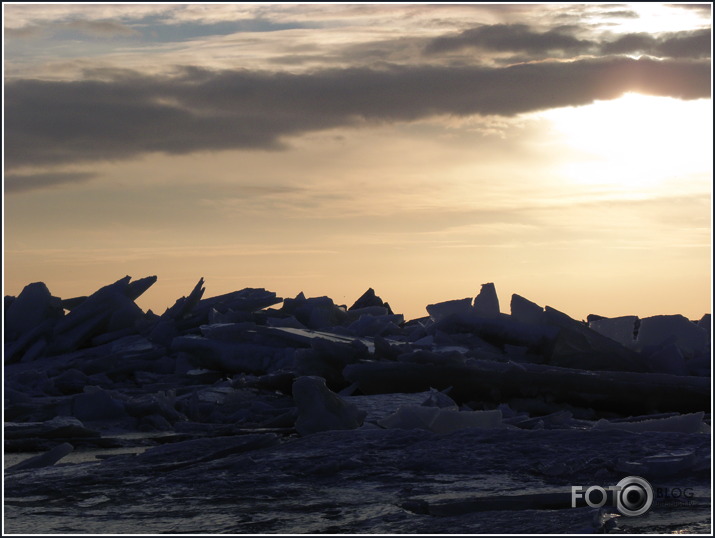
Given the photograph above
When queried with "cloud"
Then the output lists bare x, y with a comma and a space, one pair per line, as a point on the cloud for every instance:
21, 15
15, 183
123, 254
509, 38
705, 9
104, 29
125, 113
620, 14
630, 43
694, 44
90, 28
520, 38
26, 32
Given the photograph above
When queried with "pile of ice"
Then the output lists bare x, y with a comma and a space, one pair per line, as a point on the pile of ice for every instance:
246, 360
359, 412
672, 344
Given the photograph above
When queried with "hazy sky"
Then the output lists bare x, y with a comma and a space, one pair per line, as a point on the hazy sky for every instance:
563, 152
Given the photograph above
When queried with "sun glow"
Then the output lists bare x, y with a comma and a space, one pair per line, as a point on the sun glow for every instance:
653, 18
635, 142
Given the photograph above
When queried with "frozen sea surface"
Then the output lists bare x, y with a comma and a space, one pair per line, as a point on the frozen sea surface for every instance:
229, 415
361, 481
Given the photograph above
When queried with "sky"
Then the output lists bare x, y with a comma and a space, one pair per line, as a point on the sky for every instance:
561, 151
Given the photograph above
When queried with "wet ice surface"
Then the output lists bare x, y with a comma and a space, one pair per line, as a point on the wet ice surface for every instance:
359, 481
225, 416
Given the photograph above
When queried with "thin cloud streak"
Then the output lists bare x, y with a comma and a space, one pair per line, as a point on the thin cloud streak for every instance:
17, 183
80, 27
521, 38
79, 256
696, 44
510, 38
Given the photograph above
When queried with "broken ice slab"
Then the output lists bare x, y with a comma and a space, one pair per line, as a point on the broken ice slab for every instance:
555, 420
440, 420
306, 336
700, 365
328, 358
369, 299
621, 329
440, 399
184, 305
229, 332
445, 309
577, 346
492, 334
62, 427
669, 359
665, 465
372, 325
233, 356
135, 289
622, 393
320, 409
28, 323
97, 404
190, 452
525, 311
47, 459
73, 302
123, 358
245, 300
486, 304
689, 337
688, 423
31, 345
410, 417
108, 309
318, 313
355, 314
380, 406
429, 357
500, 331
31, 308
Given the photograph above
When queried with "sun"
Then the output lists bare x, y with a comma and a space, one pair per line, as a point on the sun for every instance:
653, 18
635, 141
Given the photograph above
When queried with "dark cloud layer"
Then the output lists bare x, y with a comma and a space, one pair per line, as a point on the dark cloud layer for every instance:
15, 183
124, 113
520, 38
620, 14
695, 44
701, 8
509, 38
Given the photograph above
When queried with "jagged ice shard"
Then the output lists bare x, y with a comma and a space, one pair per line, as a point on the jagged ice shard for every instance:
311, 417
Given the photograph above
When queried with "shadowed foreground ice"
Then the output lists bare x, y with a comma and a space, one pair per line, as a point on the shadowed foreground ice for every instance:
232, 415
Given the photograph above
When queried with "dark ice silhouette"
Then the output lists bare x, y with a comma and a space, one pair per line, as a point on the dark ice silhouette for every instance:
303, 394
